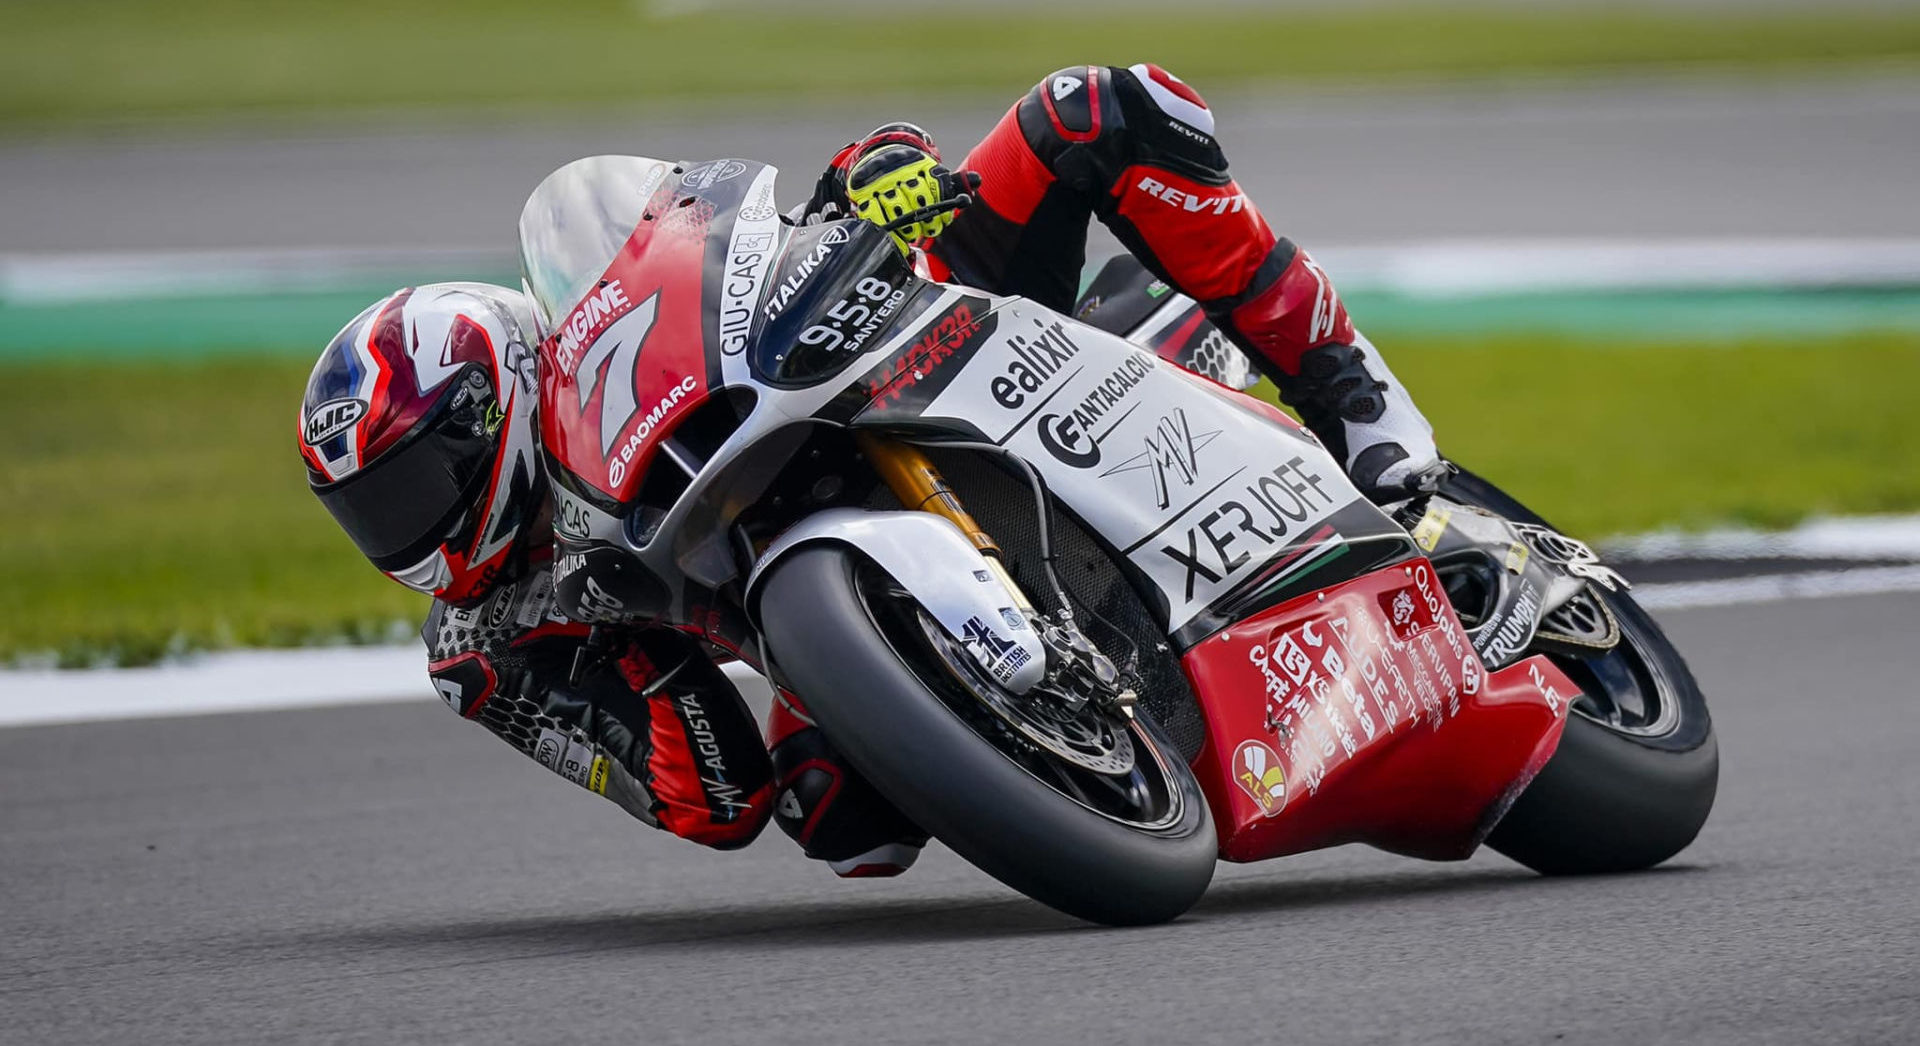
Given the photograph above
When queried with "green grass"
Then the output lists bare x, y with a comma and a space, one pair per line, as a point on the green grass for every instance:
148, 505
158, 506
133, 60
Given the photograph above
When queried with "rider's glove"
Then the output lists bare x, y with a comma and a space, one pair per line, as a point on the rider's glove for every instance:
893, 181
892, 173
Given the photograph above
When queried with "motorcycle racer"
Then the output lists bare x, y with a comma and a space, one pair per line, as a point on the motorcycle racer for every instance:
418, 434
1135, 148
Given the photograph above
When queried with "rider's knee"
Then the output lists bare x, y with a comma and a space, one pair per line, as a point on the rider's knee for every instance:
1090, 124
829, 809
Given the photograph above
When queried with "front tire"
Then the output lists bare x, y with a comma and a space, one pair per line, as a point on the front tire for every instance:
880, 690
1638, 766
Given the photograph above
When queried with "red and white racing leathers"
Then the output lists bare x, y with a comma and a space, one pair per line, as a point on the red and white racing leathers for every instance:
1135, 148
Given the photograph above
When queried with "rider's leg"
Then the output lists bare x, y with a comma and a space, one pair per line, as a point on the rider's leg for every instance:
1135, 148
828, 808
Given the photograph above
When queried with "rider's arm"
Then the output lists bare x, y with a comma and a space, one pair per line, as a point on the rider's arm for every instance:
653, 725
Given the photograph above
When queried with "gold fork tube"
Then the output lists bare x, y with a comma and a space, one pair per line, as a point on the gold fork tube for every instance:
913, 479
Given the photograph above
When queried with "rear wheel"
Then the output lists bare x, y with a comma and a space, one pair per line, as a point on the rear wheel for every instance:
1087, 811
1638, 766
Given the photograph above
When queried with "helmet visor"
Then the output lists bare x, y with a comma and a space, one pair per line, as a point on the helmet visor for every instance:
410, 500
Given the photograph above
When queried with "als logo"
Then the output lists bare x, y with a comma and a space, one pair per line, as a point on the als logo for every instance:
1172, 454
1256, 769
332, 418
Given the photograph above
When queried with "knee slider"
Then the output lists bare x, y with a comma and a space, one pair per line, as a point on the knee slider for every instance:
828, 808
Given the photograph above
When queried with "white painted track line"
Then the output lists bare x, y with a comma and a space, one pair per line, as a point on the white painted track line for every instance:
240, 681
1839, 538
1774, 588
254, 680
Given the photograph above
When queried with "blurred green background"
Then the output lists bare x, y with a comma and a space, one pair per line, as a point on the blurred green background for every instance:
127, 60
152, 498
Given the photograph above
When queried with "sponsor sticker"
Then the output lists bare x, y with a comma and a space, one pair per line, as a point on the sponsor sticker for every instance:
332, 418
617, 467
1426, 533
996, 653
1517, 627
1517, 554
1172, 455
1256, 769
1555, 700
706, 175
955, 331
571, 759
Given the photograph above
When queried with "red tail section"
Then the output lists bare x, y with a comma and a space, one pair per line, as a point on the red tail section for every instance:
1362, 714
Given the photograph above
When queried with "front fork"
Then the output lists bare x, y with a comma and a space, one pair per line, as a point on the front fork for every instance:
911, 475
1077, 671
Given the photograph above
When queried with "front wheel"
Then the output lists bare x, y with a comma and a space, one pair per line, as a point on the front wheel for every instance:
1089, 812
1638, 765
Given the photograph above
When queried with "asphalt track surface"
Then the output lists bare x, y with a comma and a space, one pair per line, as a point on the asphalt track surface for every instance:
1674, 159
389, 874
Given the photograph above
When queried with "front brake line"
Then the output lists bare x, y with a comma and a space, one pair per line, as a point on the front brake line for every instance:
1043, 505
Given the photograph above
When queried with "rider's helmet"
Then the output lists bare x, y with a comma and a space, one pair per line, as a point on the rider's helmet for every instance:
418, 434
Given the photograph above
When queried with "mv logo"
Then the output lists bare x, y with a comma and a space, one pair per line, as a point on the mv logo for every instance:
1172, 454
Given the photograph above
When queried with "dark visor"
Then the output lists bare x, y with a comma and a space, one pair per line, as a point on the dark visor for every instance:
406, 503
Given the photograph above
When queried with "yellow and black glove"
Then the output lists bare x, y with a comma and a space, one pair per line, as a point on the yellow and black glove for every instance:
895, 179
889, 185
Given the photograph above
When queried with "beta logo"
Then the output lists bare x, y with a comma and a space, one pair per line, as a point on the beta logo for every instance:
1256, 769
332, 418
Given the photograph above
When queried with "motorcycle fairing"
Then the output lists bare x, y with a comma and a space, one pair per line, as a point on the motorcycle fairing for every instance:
1361, 713
1198, 492
839, 289
639, 347
1124, 298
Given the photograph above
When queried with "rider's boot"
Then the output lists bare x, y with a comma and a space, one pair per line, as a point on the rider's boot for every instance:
827, 807
1298, 331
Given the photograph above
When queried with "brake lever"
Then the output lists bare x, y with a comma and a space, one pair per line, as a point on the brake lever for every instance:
962, 200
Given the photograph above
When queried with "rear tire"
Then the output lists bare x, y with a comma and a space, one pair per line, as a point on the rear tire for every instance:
1619, 794
870, 684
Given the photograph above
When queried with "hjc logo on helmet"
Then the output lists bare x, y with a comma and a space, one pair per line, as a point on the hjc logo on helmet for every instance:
332, 418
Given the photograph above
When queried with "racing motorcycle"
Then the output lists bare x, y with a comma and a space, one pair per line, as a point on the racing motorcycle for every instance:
1092, 618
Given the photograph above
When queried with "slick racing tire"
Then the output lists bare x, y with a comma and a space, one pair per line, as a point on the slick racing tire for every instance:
1638, 765
883, 683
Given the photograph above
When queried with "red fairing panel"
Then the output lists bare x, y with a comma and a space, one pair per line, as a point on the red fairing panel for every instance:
1362, 714
630, 356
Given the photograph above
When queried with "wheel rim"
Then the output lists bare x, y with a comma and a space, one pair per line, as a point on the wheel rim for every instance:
1092, 759
1623, 689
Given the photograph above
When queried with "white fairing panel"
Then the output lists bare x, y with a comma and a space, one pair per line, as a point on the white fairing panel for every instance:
1196, 492
932, 559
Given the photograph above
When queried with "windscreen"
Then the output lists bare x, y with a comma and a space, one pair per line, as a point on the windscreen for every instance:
574, 225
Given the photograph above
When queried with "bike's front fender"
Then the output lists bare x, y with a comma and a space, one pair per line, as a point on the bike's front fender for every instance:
944, 573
